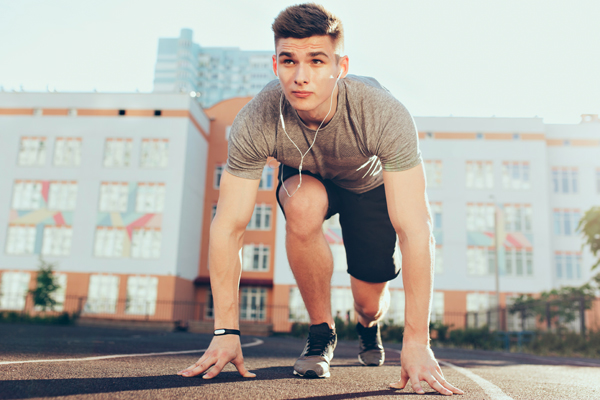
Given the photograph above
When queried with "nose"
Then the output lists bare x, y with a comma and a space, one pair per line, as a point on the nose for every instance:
302, 73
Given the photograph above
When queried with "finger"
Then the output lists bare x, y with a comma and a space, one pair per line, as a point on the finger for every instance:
437, 386
215, 370
200, 367
448, 386
239, 364
401, 384
194, 365
416, 384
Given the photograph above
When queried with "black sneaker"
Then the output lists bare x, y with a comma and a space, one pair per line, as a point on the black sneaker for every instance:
318, 352
371, 349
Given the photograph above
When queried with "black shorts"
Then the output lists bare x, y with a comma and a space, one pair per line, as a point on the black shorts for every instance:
368, 234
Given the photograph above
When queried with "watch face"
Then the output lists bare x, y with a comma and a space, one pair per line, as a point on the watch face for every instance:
219, 331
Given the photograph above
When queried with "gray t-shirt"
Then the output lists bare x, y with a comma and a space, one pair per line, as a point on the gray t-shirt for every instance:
370, 130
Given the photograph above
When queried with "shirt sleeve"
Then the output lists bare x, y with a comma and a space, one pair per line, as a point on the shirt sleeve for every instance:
248, 148
398, 147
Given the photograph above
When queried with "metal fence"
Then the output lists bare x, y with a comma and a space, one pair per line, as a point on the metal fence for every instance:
577, 315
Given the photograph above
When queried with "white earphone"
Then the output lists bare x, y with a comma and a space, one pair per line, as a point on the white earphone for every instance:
314, 140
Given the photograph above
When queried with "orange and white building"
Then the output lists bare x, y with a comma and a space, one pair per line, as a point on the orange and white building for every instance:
120, 190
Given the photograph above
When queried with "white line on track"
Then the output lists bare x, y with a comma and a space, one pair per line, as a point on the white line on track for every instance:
257, 342
488, 387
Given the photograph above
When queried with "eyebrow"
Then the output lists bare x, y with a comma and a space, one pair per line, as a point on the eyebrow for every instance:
313, 54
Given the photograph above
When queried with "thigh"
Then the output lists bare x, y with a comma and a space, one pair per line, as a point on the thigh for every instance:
289, 177
369, 237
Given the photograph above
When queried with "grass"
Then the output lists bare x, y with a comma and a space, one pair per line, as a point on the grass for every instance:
44, 319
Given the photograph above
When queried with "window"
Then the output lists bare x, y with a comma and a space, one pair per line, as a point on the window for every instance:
150, 198
218, 174
253, 304
516, 175
117, 152
480, 217
213, 212
436, 214
437, 307
145, 243
103, 294
141, 295
62, 196
110, 242
568, 265
113, 196
27, 195
396, 310
439, 264
565, 179
255, 257
433, 172
154, 153
13, 290
481, 260
67, 152
340, 264
477, 306
297, 309
20, 239
518, 261
57, 240
32, 151
261, 218
566, 221
518, 217
209, 305
266, 180
480, 175
342, 303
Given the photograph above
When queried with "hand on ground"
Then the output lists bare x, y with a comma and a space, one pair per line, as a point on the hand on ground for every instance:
222, 350
418, 364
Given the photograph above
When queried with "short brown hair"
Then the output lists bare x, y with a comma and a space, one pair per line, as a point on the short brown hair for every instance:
309, 19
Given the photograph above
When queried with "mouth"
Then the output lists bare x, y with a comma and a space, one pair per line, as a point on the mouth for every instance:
301, 93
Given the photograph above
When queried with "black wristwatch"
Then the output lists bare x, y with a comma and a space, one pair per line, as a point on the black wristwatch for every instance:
221, 332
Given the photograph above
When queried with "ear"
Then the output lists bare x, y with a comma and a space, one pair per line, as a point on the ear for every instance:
275, 65
344, 65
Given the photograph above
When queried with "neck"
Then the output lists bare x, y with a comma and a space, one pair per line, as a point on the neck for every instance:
314, 118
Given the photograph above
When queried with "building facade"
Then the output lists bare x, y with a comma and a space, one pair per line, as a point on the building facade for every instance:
210, 73
110, 187
120, 191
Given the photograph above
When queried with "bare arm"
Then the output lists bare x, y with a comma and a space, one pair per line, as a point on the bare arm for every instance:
234, 210
409, 212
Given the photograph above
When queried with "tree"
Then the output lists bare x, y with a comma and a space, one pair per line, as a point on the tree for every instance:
589, 226
46, 286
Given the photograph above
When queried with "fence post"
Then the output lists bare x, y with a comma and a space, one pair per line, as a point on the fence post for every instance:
582, 315
548, 320
489, 318
79, 305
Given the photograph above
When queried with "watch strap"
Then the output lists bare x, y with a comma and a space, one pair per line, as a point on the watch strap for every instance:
221, 332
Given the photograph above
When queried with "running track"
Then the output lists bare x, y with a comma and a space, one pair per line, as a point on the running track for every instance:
90, 363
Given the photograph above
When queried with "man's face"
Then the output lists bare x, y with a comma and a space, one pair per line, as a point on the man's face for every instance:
307, 70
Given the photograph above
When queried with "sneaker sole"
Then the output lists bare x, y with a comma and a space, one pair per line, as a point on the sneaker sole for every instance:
312, 374
369, 365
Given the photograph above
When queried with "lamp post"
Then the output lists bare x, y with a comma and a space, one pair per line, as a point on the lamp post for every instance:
497, 243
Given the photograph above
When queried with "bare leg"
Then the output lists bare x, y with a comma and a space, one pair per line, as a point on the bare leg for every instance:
307, 249
371, 301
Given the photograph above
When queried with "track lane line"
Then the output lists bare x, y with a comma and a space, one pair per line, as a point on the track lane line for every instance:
488, 387
257, 342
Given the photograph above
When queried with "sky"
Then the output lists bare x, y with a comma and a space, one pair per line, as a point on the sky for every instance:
474, 58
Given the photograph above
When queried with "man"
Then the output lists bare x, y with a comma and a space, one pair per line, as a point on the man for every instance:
346, 146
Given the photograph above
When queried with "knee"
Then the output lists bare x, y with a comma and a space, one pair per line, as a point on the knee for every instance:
372, 311
304, 218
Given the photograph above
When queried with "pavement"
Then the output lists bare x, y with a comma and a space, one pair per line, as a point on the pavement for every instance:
96, 363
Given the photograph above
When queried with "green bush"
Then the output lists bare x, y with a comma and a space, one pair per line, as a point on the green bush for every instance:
58, 319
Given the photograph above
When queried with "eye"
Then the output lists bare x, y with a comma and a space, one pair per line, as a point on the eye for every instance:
317, 61
288, 61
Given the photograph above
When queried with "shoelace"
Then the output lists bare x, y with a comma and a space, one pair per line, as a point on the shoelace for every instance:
317, 344
368, 338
